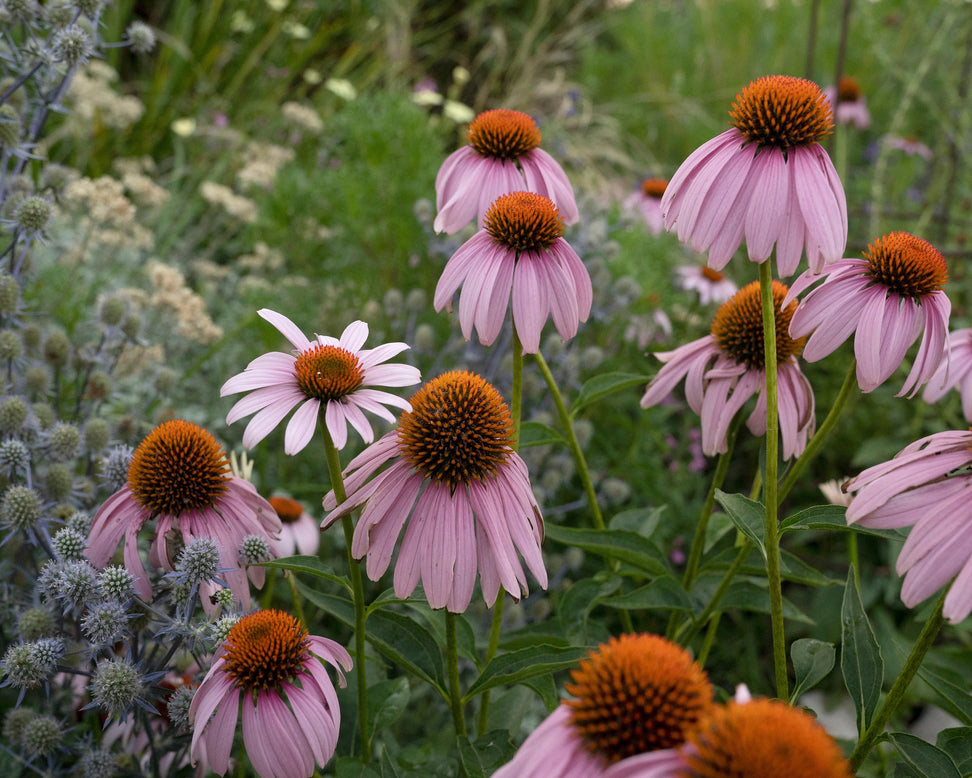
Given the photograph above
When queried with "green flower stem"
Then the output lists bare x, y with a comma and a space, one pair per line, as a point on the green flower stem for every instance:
720, 591
817, 441
710, 634
516, 405
581, 463
876, 728
298, 607
772, 462
357, 587
455, 696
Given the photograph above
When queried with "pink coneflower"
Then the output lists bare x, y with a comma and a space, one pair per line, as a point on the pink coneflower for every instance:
889, 297
300, 533
725, 368
462, 491
635, 700
333, 373
955, 371
710, 285
646, 203
767, 180
180, 477
503, 155
910, 145
291, 716
519, 252
928, 484
851, 105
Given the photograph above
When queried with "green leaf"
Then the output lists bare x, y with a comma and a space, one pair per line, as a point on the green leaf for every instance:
309, 565
748, 515
830, 518
435, 619
533, 433
517, 666
545, 687
957, 743
749, 595
578, 602
792, 568
399, 638
625, 546
952, 690
664, 593
487, 753
861, 662
601, 386
351, 767
922, 756
812, 662
387, 702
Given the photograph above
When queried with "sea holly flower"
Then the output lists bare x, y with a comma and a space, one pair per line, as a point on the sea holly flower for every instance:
291, 718
503, 155
767, 180
850, 105
634, 701
519, 253
333, 374
890, 297
927, 486
300, 533
646, 203
954, 372
710, 285
180, 477
458, 489
725, 368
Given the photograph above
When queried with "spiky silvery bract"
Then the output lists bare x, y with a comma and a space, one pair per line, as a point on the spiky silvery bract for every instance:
178, 707
35, 623
14, 456
78, 583
199, 561
114, 467
32, 214
64, 441
13, 414
254, 550
106, 622
42, 735
115, 686
21, 508
141, 37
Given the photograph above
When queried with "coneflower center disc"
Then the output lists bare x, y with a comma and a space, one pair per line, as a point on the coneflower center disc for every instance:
328, 372
264, 649
178, 467
907, 265
848, 90
782, 111
637, 693
502, 134
654, 187
459, 429
712, 275
523, 221
738, 326
763, 739
288, 510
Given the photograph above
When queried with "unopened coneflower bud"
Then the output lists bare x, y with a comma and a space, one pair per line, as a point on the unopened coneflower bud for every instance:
254, 550
222, 627
65, 440
15, 722
105, 622
141, 37
178, 707
57, 349
114, 467
21, 508
165, 380
13, 414
199, 561
78, 583
35, 623
10, 126
59, 481
68, 544
112, 310
37, 379
116, 582
97, 434
115, 685
14, 456
42, 736
33, 213
131, 325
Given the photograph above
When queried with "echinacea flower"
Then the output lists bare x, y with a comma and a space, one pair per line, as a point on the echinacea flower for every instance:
909, 144
180, 477
333, 374
458, 489
758, 738
767, 180
634, 701
928, 484
290, 714
300, 532
725, 368
955, 372
850, 105
710, 285
646, 203
890, 297
519, 253
503, 156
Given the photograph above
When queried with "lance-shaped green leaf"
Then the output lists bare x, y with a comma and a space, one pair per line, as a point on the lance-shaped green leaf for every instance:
957, 743
533, 433
748, 515
310, 566
623, 545
861, 662
952, 689
517, 666
600, 386
812, 662
663, 593
928, 760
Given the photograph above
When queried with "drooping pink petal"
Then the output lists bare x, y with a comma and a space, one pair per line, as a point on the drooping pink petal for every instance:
286, 328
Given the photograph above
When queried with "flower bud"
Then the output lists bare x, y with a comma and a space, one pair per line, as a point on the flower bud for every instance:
14, 724
141, 37
10, 126
115, 685
71, 45
97, 434
14, 456
59, 481
106, 622
37, 379
9, 293
13, 414
33, 213
78, 583
64, 442
112, 310
57, 349
42, 736
44, 414
178, 707
35, 623
254, 550
114, 467
116, 582
20, 508
199, 561
68, 544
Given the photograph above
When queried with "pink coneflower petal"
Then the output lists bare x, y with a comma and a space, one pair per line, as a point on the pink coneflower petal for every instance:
301, 427
545, 176
769, 203
286, 328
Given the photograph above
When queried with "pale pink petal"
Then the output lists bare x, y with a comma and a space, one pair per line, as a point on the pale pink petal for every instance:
354, 336
530, 305
769, 205
261, 398
545, 176
286, 328
336, 423
301, 428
